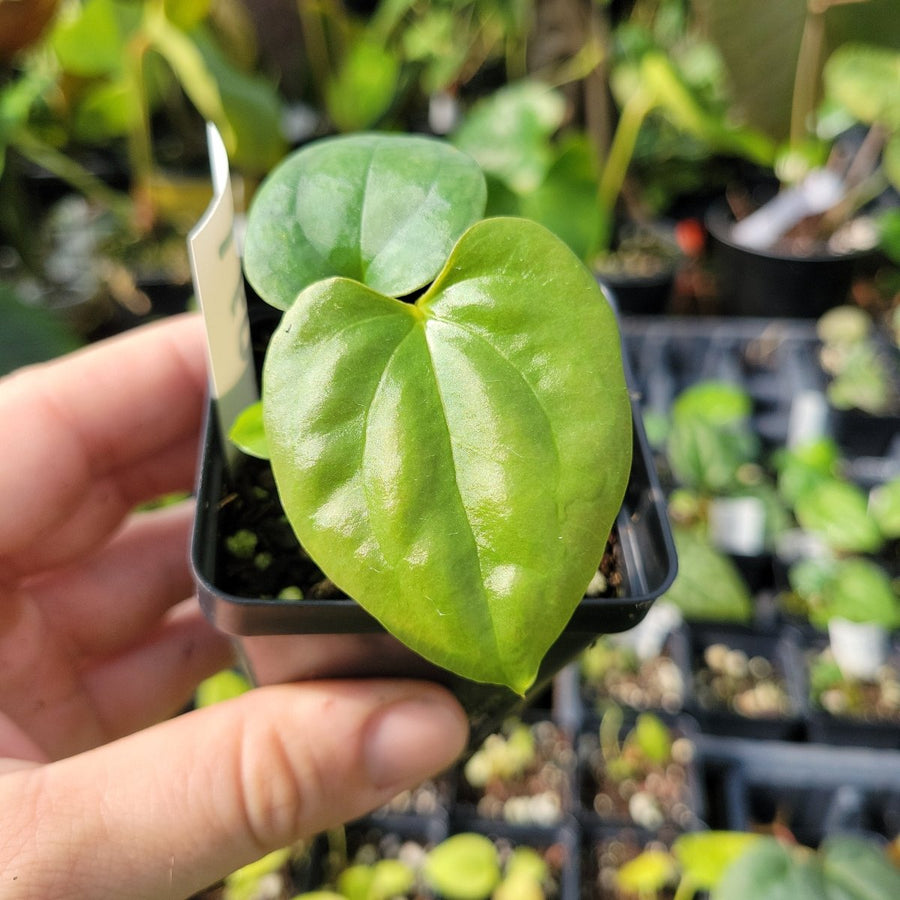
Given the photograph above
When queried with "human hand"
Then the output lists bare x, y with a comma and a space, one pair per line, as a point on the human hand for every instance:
102, 794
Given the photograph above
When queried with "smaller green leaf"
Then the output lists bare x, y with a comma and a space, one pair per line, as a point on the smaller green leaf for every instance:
771, 870
463, 867
364, 88
250, 104
391, 878
864, 79
653, 737
838, 512
382, 209
708, 585
248, 433
319, 895
509, 133
717, 402
647, 874
222, 686
884, 507
857, 869
106, 110
90, 44
890, 160
706, 456
244, 883
187, 13
861, 591
355, 882
527, 862
704, 855
889, 221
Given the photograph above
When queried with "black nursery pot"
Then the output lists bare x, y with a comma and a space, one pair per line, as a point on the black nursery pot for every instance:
284, 640
772, 284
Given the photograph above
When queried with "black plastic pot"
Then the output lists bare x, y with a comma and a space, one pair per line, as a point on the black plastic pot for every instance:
852, 730
636, 295
813, 790
776, 284
782, 652
684, 811
338, 638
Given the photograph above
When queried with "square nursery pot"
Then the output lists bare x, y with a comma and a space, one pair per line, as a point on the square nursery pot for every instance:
810, 790
855, 712
283, 639
745, 683
652, 796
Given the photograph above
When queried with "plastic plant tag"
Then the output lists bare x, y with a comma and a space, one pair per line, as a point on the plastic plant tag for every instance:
737, 524
219, 286
808, 418
819, 191
859, 648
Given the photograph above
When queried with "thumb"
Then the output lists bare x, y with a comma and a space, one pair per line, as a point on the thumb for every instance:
170, 810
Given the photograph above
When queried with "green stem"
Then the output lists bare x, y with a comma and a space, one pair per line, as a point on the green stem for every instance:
315, 41
615, 168
809, 64
686, 889
71, 172
140, 140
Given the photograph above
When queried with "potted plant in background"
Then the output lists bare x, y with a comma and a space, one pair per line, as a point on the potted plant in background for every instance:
548, 164
797, 254
103, 144
422, 454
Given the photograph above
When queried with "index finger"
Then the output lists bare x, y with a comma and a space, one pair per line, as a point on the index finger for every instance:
90, 435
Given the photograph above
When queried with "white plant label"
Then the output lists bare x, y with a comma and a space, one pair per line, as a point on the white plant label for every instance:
738, 525
219, 286
808, 418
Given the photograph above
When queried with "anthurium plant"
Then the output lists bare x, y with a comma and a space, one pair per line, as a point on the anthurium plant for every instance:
443, 401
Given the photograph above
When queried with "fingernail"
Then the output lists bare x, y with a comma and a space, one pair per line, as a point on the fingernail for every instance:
413, 739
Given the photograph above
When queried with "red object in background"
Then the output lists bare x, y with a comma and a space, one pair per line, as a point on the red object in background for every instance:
690, 237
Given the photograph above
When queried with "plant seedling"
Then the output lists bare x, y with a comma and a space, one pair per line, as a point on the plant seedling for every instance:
443, 402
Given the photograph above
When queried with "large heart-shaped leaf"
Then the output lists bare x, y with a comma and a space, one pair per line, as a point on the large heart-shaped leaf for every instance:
456, 464
382, 209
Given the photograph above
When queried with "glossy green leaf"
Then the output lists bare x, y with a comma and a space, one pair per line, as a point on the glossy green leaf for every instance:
463, 867
382, 209
456, 464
